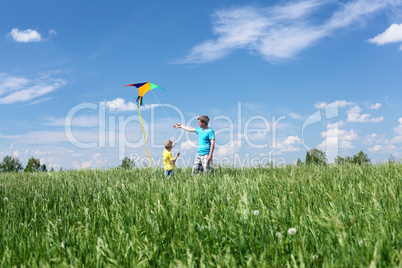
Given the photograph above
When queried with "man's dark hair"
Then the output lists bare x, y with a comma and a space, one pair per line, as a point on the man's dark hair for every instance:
204, 119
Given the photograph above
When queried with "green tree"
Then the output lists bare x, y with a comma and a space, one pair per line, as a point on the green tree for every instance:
34, 166
343, 160
361, 159
127, 163
316, 157
299, 162
10, 164
358, 159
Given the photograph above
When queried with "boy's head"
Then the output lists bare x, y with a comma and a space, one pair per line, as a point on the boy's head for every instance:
203, 120
168, 145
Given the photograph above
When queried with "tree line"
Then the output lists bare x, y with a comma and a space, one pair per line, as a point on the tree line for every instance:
313, 157
318, 157
13, 164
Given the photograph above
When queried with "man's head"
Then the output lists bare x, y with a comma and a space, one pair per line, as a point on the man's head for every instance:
168, 145
203, 121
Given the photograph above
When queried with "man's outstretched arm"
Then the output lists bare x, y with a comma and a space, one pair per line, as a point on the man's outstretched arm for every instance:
190, 129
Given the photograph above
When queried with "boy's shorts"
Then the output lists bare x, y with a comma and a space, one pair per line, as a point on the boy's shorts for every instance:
169, 173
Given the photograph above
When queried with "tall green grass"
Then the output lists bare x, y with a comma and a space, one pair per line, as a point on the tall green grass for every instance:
344, 216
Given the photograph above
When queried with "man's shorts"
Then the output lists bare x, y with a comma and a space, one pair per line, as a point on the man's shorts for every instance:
201, 164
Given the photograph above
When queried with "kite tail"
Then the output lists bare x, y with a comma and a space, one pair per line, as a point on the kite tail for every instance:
143, 131
139, 100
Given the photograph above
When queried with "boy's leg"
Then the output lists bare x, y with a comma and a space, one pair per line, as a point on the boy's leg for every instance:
197, 165
168, 173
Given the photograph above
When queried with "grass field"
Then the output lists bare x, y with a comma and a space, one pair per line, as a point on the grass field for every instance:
344, 216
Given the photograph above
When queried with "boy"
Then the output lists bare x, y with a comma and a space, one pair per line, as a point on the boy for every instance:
168, 160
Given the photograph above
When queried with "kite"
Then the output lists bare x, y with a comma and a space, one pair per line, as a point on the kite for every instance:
142, 89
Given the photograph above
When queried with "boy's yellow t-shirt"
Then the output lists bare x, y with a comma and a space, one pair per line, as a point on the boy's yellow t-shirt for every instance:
167, 158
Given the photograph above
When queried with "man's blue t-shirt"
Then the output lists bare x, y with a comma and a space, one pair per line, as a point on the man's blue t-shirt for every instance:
204, 140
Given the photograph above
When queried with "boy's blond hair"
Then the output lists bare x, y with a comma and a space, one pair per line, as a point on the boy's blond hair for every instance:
168, 144
204, 119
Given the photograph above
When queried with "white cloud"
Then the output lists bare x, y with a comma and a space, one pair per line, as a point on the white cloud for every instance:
256, 136
228, 150
18, 89
84, 165
16, 153
341, 124
95, 162
121, 105
38, 137
77, 154
9, 83
374, 139
278, 32
385, 149
375, 106
375, 148
398, 131
31, 92
340, 104
57, 137
320, 105
396, 139
291, 140
288, 145
336, 138
77, 121
63, 155
52, 33
188, 145
37, 152
391, 35
39, 101
343, 103
25, 36
355, 116
296, 116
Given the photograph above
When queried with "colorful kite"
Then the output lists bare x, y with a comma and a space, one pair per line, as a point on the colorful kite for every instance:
142, 89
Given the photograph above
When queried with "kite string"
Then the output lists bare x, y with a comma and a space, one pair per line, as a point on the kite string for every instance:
143, 131
174, 131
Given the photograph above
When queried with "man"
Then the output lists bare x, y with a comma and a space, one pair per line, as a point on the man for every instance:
206, 144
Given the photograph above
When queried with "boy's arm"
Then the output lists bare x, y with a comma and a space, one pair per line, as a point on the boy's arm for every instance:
174, 160
190, 129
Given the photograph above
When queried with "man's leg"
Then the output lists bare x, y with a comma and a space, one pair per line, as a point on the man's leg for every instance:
197, 165
205, 164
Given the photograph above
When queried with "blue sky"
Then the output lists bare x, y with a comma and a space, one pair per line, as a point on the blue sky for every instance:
275, 77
